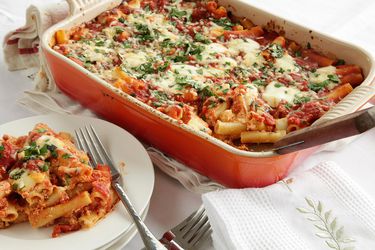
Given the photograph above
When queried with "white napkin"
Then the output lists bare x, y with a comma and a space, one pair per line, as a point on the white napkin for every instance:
321, 208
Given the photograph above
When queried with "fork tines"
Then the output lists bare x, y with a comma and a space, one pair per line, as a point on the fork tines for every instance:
194, 228
88, 140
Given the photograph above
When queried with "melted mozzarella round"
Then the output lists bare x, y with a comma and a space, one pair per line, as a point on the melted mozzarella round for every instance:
276, 92
321, 74
250, 50
239, 45
286, 63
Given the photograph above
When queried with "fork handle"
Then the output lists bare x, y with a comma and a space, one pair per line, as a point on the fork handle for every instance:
149, 240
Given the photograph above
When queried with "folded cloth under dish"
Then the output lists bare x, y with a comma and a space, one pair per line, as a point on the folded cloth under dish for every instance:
21, 46
321, 208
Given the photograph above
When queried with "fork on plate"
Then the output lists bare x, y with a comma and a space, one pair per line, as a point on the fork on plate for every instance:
189, 233
88, 140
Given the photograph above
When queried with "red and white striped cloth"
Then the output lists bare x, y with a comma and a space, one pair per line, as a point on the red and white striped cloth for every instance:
22, 45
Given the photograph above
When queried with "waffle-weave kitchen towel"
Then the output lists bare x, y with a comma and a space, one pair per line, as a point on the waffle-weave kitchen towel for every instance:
321, 208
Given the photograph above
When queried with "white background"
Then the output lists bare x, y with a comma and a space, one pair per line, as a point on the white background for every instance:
353, 21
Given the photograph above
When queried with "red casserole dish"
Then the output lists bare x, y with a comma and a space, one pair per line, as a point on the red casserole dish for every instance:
207, 155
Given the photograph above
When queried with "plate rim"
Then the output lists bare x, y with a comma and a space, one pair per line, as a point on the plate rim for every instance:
45, 118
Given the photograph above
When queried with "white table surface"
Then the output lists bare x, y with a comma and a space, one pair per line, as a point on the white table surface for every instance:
353, 21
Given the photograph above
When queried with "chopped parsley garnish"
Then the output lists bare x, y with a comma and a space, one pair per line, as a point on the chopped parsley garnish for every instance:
52, 149
15, 174
160, 95
67, 179
121, 20
1, 147
298, 53
340, 62
44, 168
193, 49
288, 105
43, 150
183, 81
188, 49
276, 50
301, 99
100, 43
81, 58
180, 58
33, 151
151, 67
205, 93
201, 38
54, 154
67, 156
14, 186
321, 85
41, 130
166, 43
241, 72
127, 44
278, 85
259, 82
163, 67
224, 22
177, 14
144, 33
225, 91
145, 69
333, 78
147, 8
318, 85
212, 104
119, 30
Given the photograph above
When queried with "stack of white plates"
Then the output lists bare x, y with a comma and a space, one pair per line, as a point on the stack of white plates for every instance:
117, 228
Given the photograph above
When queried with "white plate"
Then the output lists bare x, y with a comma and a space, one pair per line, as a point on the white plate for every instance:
138, 179
124, 239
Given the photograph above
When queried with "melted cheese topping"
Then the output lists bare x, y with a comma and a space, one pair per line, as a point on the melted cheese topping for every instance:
286, 63
50, 140
187, 62
27, 180
276, 92
250, 49
133, 60
321, 74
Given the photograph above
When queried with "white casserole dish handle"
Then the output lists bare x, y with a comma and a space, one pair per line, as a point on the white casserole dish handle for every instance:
78, 6
357, 98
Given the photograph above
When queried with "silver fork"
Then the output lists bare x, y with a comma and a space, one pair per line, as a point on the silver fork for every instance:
88, 140
189, 233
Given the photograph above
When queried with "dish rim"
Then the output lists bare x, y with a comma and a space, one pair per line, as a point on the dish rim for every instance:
108, 4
